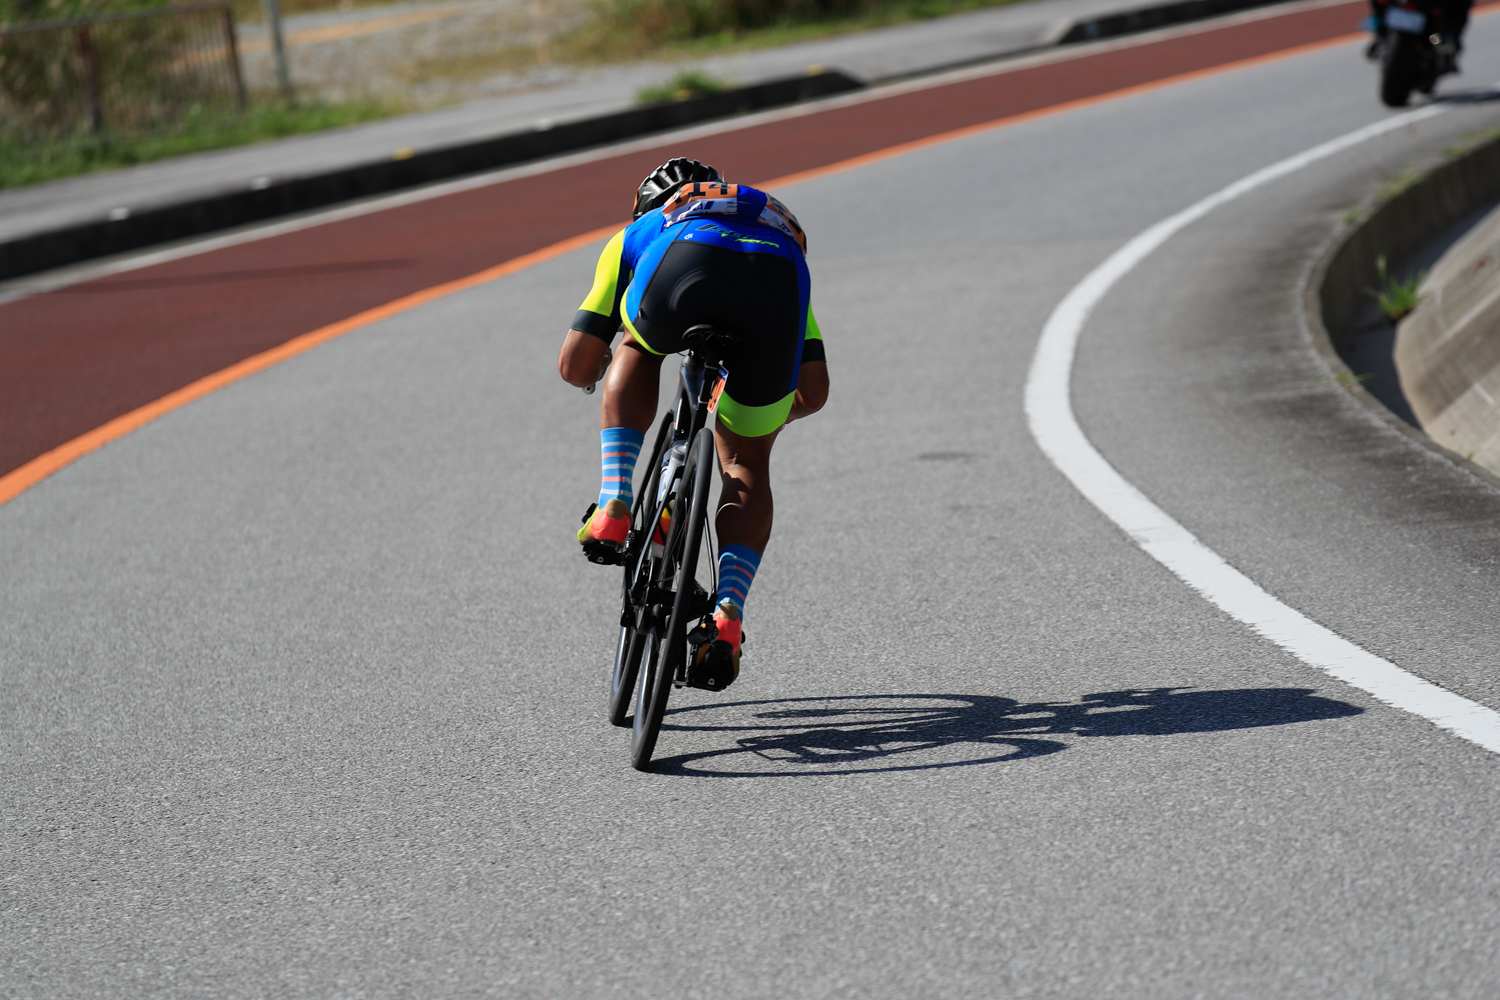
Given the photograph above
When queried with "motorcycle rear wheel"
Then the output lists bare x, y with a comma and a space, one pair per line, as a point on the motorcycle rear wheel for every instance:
1399, 67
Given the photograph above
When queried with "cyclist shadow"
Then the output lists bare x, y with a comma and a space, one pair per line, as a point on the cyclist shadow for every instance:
863, 734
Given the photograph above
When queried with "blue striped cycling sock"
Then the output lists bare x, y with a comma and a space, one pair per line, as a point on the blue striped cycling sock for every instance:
619, 447
737, 566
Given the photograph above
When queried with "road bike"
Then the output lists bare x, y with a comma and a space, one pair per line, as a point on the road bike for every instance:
660, 595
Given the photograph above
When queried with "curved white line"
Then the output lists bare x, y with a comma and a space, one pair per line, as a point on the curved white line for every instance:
1049, 412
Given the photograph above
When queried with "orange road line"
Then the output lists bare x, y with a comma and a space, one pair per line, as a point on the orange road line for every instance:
13, 483
18, 481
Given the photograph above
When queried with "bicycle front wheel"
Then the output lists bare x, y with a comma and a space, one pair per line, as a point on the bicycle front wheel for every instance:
678, 569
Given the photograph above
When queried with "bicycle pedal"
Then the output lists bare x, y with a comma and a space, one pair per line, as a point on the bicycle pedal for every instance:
713, 669
603, 553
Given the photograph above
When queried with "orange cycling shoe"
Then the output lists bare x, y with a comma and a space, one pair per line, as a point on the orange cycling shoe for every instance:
716, 663
605, 530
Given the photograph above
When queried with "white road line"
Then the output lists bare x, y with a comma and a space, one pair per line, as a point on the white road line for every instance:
1049, 412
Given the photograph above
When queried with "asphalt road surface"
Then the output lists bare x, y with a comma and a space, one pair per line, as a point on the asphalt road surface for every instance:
303, 683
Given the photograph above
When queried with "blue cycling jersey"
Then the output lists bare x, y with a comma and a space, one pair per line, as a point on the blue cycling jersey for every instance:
731, 216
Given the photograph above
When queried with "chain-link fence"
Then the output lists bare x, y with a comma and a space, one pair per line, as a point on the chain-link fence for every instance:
126, 73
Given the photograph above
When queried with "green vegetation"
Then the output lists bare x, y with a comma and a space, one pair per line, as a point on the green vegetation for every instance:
1393, 187
620, 29
688, 83
30, 163
1347, 379
1470, 142
1396, 298
50, 140
20, 11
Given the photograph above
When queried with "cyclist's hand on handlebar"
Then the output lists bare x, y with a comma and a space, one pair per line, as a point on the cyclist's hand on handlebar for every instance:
583, 359
599, 375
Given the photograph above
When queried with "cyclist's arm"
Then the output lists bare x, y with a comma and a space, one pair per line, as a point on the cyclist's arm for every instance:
812, 381
585, 353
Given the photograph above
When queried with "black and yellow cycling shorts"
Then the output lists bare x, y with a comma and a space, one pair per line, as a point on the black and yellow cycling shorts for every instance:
736, 276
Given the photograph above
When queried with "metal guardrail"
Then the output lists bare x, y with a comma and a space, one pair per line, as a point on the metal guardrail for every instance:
127, 73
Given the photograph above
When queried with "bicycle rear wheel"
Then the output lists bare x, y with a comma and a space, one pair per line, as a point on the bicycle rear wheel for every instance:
635, 588
679, 566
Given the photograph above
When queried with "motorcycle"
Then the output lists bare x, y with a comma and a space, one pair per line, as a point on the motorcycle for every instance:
1414, 50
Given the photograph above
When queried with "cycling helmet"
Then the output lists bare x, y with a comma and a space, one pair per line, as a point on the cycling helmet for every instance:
667, 178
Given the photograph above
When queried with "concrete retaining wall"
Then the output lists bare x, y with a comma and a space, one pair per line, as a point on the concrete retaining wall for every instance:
1448, 348
1402, 226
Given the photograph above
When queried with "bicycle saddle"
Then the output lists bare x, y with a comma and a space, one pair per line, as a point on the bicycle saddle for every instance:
709, 342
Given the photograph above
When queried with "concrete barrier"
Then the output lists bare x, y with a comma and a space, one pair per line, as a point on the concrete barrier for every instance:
1448, 348
1340, 283
1402, 226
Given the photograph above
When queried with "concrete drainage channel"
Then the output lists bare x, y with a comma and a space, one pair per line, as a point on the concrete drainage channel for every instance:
1437, 210
122, 233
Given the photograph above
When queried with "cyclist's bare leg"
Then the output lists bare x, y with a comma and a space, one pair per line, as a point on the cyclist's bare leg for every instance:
745, 505
812, 390
630, 389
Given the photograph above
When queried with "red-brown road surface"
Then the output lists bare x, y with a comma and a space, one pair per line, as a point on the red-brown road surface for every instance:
72, 359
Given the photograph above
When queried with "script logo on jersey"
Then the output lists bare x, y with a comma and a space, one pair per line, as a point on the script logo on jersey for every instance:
740, 200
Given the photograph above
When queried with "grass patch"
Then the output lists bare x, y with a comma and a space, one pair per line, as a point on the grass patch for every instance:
616, 30
31, 163
688, 83
1346, 379
1396, 185
1396, 298
1470, 142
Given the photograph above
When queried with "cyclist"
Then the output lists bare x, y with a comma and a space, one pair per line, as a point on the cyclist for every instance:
701, 251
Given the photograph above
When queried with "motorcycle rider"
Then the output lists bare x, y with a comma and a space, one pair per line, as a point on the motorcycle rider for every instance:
1453, 17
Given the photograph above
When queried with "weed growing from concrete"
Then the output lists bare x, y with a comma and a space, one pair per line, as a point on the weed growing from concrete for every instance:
1396, 298
1346, 379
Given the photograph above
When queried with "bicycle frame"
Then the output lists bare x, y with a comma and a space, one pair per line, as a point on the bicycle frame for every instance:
661, 595
694, 398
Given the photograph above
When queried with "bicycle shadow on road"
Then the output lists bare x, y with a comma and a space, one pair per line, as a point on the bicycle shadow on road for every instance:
864, 734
